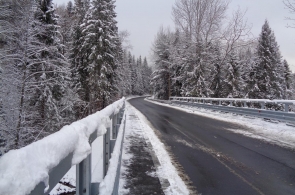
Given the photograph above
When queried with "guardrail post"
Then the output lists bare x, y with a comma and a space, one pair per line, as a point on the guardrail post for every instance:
114, 126
262, 105
83, 177
231, 103
219, 103
106, 151
286, 105
245, 104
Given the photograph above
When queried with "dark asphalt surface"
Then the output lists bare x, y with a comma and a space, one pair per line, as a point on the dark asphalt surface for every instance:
218, 161
139, 167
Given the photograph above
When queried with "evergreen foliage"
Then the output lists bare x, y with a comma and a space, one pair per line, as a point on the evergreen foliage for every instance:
56, 69
267, 72
184, 67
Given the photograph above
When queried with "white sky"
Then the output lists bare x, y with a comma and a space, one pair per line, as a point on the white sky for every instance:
143, 18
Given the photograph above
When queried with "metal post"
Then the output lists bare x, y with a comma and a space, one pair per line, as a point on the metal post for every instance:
286, 105
262, 105
245, 104
106, 151
114, 128
219, 103
231, 103
83, 177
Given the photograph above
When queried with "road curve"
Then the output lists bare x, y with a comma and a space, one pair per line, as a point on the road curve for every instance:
218, 161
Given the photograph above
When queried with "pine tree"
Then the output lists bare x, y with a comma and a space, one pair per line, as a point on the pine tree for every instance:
195, 69
123, 72
100, 43
146, 74
65, 23
134, 77
266, 69
161, 77
287, 80
139, 73
233, 79
79, 59
50, 73
35, 73
176, 64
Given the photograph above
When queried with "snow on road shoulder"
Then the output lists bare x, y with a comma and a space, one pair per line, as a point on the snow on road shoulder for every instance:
107, 185
166, 170
276, 133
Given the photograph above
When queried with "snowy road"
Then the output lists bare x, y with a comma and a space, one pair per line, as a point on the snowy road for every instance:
217, 160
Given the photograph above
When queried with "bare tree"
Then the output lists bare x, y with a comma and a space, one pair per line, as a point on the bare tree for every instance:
290, 5
237, 33
124, 39
205, 21
201, 19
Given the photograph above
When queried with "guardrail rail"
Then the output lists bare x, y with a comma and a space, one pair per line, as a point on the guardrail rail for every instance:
83, 169
243, 106
63, 146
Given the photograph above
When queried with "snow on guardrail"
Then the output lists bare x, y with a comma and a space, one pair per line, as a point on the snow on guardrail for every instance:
21, 170
239, 100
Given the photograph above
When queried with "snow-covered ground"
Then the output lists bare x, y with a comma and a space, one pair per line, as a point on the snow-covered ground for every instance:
273, 132
166, 169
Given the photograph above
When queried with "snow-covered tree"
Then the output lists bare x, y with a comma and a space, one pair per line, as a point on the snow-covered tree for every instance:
161, 77
95, 56
287, 80
268, 62
35, 90
146, 75
65, 23
233, 79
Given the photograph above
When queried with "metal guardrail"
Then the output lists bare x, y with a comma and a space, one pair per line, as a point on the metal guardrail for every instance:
83, 169
263, 112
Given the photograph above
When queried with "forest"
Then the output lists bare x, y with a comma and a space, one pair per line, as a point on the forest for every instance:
60, 64
212, 53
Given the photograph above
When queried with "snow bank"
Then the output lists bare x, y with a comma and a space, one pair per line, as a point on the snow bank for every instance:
21, 170
107, 185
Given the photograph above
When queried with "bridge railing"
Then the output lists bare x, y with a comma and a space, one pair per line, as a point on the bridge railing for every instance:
38, 167
243, 106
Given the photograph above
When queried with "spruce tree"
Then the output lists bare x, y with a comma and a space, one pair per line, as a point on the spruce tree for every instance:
161, 77
287, 77
233, 78
79, 59
52, 95
146, 73
99, 45
268, 61
35, 74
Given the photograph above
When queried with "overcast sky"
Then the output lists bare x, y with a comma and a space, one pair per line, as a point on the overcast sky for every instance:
143, 18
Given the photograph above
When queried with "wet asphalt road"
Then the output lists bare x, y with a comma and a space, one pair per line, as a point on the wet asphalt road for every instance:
218, 161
